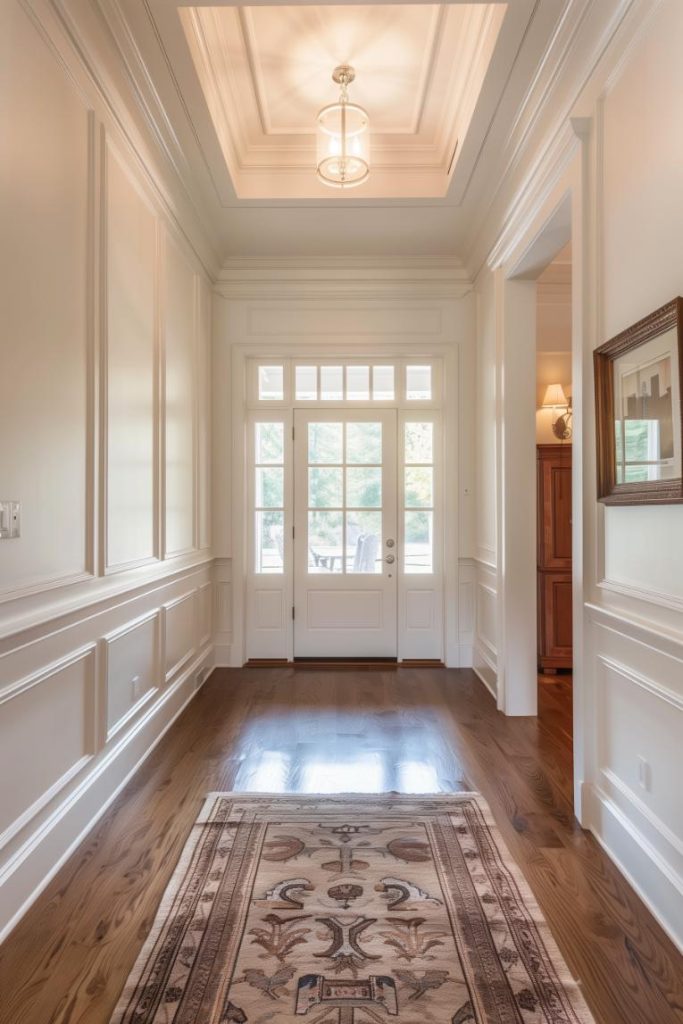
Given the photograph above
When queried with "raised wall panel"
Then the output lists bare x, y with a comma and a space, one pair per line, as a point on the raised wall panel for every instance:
130, 371
44, 267
179, 358
205, 613
132, 669
179, 632
204, 416
47, 723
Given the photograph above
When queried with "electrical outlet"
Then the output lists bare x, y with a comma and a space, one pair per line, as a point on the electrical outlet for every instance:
10, 520
644, 775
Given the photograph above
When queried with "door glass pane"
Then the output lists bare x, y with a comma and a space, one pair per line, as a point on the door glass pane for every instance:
269, 489
325, 442
306, 383
364, 542
419, 483
418, 542
364, 487
364, 443
419, 442
419, 383
269, 442
383, 383
332, 383
325, 540
271, 383
325, 487
357, 383
270, 534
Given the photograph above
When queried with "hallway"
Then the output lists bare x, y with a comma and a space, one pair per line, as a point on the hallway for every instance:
412, 730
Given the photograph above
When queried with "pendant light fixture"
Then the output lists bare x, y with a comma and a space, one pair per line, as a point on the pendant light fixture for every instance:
343, 137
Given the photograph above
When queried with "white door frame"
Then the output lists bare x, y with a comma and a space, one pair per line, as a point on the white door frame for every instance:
241, 355
560, 214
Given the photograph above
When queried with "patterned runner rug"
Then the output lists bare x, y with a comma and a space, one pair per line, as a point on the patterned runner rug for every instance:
348, 910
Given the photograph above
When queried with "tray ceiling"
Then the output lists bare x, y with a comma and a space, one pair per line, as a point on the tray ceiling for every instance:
265, 72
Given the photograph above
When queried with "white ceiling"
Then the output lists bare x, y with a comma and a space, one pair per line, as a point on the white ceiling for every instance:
265, 72
231, 90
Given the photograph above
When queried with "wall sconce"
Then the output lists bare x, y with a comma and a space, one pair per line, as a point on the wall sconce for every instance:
555, 399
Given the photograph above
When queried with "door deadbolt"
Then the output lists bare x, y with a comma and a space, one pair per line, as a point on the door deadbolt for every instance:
390, 543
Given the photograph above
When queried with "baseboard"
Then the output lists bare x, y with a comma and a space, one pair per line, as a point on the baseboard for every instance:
36, 862
485, 669
654, 880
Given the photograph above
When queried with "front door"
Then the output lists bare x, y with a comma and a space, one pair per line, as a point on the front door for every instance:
345, 533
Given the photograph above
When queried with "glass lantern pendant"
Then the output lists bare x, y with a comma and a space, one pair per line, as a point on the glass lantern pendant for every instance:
343, 137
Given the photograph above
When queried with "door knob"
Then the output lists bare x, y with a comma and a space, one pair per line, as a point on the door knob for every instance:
389, 559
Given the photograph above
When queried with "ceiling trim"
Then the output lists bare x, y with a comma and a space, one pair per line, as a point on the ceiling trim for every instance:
331, 277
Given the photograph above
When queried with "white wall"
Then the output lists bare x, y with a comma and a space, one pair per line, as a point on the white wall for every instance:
638, 675
106, 598
340, 307
622, 170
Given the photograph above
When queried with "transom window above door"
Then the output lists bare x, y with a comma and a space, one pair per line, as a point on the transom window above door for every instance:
390, 382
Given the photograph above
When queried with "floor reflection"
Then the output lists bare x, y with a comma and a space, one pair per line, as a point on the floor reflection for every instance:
301, 747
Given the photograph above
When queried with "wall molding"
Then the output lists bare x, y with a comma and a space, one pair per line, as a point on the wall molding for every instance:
642, 865
30, 869
89, 76
354, 279
656, 637
86, 653
644, 682
107, 592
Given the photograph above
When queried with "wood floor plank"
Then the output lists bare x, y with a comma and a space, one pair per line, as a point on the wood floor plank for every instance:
281, 729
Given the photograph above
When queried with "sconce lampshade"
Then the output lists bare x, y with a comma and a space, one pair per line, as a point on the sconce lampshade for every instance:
554, 396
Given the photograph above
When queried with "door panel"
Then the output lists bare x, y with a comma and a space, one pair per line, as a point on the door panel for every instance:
345, 562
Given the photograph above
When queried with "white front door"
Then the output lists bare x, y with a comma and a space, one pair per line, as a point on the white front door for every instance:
345, 538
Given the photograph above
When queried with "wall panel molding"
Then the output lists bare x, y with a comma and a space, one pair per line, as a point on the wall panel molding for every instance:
85, 657
95, 657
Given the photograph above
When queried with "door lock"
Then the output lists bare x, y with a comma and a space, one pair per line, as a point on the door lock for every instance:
389, 559
390, 543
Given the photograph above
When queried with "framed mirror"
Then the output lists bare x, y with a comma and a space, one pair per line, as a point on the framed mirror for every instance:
638, 384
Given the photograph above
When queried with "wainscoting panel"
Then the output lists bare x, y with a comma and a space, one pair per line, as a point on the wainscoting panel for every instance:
635, 806
132, 670
180, 632
485, 655
82, 701
48, 728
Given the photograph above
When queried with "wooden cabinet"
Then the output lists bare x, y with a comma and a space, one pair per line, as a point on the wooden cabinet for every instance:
554, 498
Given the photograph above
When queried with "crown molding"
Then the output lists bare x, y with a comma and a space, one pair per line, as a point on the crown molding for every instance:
360, 278
545, 131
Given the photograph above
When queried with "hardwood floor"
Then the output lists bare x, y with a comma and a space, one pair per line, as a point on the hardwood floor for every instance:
279, 729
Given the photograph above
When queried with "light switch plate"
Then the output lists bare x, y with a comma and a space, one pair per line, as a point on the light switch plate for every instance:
10, 520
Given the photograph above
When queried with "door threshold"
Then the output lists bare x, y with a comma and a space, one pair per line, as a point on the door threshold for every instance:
346, 663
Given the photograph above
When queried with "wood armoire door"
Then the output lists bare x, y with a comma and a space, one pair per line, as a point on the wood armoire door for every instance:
554, 556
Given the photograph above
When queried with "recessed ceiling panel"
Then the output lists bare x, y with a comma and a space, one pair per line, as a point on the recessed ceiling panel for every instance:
266, 71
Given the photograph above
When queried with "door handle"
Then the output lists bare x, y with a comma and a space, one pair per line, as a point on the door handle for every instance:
389, 559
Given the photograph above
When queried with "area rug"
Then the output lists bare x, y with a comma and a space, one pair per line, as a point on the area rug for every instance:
348, 910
